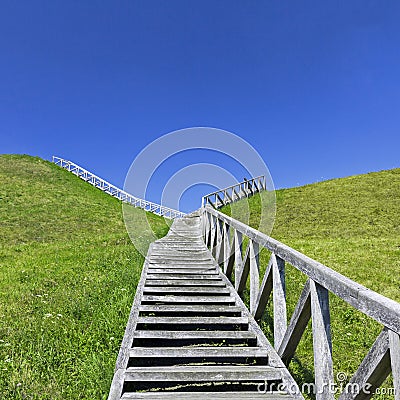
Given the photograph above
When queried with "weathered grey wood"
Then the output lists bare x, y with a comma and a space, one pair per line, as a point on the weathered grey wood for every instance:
394, 344
238, 256
297, 326
378, 307
264, 292
232, 254
184, 282
222, 335
372, 371
117, 384
187, 291
254, 275
279, 299
188, 299
206, 276
226, 247
213, 234
202, 373
194, 320
205, 395
244, 272
219, 254
188, 308
203, 351
322, 342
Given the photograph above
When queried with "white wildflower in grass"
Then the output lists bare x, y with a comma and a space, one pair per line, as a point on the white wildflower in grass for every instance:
48, 315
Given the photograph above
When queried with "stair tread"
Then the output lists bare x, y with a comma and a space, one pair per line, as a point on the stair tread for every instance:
189, 299
205, 395
193, 320
215, 351
194, 334
203, 373
189, 307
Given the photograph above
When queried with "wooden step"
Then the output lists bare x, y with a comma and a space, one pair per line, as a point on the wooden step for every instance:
173, 299
160, 274
192, 323
188, 338
203, 351
185, 282
203, 374
201, 355
205, 395
190, 310
187, 291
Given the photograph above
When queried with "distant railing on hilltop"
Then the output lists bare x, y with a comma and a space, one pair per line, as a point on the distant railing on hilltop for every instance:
115, 191
236, 192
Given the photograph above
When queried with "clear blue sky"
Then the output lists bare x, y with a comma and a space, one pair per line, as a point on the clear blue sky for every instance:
314, 86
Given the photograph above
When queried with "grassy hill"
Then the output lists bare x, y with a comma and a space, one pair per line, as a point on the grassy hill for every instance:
68, 274
353, 226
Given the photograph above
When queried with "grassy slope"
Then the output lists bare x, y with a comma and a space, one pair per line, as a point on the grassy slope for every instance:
353, 226
68, 273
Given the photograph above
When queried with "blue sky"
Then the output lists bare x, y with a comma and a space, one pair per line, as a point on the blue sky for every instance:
313, 85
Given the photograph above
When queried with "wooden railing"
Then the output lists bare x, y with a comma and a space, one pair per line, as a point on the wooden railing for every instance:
116, 192
225, 237
235, 192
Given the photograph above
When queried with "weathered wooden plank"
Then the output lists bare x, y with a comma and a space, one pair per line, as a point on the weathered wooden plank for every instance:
297, 326
394, 345
238, 256
244, 272
254, 275
217, 247
204, 395
188, 308
188, 299
264, 292
187, 290
117, 384
279, 299
194, 320
203, 351
372, 371
185, 282
226, 248
202, 373
230, 263
184, 276
322, 342
223, 335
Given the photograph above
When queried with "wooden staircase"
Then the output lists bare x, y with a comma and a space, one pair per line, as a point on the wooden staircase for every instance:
189, 335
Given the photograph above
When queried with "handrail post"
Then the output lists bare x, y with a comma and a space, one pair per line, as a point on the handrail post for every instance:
322, 342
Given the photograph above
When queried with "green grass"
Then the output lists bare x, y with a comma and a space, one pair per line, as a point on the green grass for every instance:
353, 226
68, 273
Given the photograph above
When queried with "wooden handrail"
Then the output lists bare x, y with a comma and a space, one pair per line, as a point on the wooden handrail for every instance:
224, 235
235, 192
115, 191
